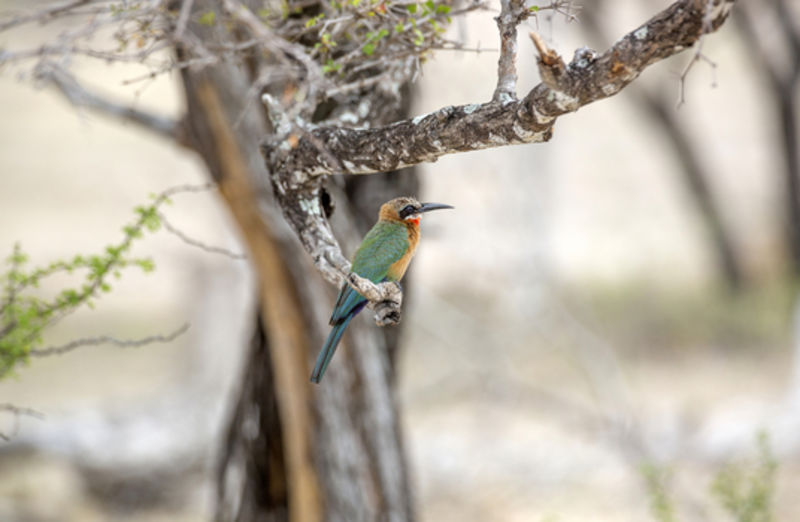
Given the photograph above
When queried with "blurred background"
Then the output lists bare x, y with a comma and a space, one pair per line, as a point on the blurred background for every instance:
605, 320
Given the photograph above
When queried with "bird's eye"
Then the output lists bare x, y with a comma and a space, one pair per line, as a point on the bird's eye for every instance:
407, 211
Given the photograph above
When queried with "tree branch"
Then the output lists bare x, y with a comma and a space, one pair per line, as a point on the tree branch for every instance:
512, 12
41, 16
77, 95
300, 156
17, 412
105, 339
197, 243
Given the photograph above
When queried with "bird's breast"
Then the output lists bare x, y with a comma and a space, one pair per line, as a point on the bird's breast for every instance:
398, 269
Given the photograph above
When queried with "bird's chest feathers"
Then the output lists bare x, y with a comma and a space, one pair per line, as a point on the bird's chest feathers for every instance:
398, 268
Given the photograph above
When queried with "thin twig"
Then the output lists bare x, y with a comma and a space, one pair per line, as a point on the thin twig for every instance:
195, 243
698, 55
184, 189
17, 412
105, 339
41, 16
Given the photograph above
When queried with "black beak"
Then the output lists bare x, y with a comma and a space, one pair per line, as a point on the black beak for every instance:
427, 207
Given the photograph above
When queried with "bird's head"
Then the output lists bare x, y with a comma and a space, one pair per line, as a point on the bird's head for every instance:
407, 210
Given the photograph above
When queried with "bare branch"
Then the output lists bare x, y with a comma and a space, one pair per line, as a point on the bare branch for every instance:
77, 95
195, 243
105, 339
183, 18
185, 189
698, 55
298, 162
42, 15
17, 412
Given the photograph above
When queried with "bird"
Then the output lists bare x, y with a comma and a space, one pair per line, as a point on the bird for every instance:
384, 255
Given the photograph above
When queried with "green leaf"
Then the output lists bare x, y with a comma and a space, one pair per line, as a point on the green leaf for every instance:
533, 8
311, 22
152, 222
411, 8
17, 257
430, 6
146, 265
442, 9
368, 49
398, 28
420, 38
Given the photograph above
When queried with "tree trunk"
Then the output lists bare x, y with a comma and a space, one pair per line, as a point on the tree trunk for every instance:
783, 83
294, 450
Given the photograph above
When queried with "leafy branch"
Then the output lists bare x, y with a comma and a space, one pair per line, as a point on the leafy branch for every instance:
25, 313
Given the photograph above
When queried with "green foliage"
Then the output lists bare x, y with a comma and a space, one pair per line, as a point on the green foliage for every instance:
746, 490
24, 315
655, 479
375, 29
372, 40
311, 22
330, 66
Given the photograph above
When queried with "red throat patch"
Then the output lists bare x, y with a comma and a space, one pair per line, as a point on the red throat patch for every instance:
414, 220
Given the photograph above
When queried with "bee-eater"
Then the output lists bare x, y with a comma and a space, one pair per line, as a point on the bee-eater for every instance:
383, 255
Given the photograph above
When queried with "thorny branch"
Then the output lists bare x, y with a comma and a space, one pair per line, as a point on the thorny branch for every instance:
299, 162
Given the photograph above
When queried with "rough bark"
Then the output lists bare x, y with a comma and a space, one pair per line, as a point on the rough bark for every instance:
295, 451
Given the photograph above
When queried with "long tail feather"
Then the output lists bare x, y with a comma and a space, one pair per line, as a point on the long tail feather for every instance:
328, 349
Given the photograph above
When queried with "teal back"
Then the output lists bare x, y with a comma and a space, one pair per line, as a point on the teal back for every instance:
383, 246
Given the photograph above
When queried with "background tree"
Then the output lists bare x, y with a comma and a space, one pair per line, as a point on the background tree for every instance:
335, 78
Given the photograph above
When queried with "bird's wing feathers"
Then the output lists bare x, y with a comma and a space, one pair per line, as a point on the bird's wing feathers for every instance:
383, 245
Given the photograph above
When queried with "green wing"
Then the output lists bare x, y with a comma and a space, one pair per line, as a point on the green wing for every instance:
383, 246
